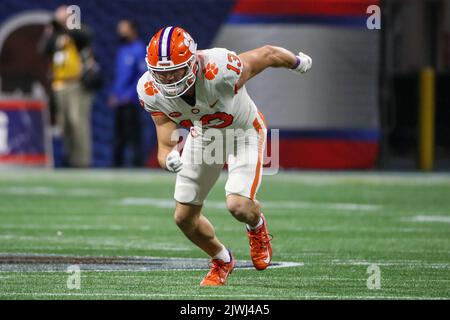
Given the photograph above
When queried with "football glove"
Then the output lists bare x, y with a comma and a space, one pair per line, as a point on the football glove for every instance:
304, 63
173, 161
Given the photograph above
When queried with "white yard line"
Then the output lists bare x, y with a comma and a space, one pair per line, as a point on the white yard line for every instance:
428, 218
73, 227
97, 242
342, 229
402, 263
114, 227
362, 178
53, 191
103, 175
170, 203
180, 295
300, 279
318, 178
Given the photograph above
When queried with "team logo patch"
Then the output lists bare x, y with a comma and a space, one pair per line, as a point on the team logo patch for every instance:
195, 110
175, 114
210, 71
150, 88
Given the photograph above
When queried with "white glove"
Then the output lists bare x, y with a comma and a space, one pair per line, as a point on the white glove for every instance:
304, 63
173, 161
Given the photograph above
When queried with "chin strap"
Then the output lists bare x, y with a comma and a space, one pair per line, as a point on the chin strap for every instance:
195, 68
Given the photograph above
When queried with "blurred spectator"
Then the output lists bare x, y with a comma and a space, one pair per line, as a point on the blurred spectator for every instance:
75, 74
130, 65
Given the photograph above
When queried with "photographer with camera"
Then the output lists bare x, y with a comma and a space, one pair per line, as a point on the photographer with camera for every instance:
75, 76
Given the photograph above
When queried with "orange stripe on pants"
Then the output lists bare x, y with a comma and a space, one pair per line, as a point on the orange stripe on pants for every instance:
261, 139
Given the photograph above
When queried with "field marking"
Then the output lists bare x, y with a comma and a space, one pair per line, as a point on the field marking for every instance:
404, 263
343, 229
278, 266
365, 279
73, 227
362, 178
154, 295
309, 178
54, 263
426, 218
116, 227
167, 203
116, 243
301, 279
124, 175
53, 191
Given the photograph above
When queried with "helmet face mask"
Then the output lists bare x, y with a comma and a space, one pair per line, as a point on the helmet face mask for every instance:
171, 61
175, 81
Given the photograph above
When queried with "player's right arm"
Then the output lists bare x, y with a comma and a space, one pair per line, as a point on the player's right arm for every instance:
257, 60
168, 156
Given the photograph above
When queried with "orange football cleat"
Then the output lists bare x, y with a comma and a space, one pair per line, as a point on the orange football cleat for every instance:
260, 247
219, 272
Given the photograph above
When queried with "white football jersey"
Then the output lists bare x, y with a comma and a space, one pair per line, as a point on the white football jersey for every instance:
218, 104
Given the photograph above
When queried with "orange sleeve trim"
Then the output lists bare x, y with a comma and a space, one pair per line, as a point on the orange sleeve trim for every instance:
157, 113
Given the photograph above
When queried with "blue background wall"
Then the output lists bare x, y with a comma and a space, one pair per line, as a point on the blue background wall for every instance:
202, 18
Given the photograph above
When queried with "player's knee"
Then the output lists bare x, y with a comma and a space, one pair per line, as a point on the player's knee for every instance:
239, 208
183, 221
185, 217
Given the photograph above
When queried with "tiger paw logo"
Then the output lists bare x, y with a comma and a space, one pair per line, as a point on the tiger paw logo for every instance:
150, 88
210, 71
189, 42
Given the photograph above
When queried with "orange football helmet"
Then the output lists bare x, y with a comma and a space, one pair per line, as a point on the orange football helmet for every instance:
171, 60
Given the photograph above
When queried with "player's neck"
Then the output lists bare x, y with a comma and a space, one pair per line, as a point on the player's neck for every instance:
191, 92
189, 96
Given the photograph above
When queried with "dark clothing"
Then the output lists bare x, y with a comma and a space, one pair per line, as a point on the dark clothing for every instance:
81, 37
50, 45
130, 65
71, 57
127, 132
189, 100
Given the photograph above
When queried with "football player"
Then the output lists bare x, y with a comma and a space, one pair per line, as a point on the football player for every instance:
203, 90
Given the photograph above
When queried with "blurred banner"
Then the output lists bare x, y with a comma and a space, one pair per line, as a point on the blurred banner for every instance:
327, 119
23, 138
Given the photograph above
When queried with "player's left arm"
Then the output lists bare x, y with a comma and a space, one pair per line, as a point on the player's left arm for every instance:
257, 60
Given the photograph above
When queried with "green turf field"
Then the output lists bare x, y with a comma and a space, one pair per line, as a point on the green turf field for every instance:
333, 224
